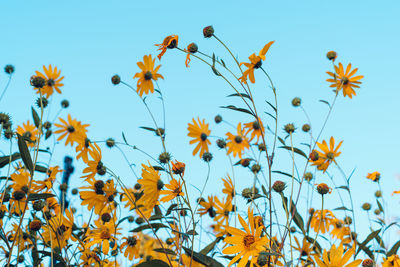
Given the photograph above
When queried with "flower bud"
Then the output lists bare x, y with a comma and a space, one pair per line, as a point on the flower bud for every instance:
115, 79
279, 186
323, 188
296, 102
208, 31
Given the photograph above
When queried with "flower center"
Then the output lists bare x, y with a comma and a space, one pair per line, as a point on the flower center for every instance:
258, 64
238, 139
51, 82
132, 241
101, 169
256, 125
203, 137
105, 234
27, 134
330, 156
148, 76
345, 80
248, 240
160, 184
70, 129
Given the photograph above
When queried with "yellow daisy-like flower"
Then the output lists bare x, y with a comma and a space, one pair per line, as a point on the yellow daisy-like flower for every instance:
73, 129
29, 132
199, 132
237, 143
48, 182
53, 80
174, 190
344, 80
374, 176
255, 63
207, 206
223, 209
336, 258
98, 195
104, 234
248, 244
61, 229
341, 231
132, 244
169, 42
229, 188
187, 262
392, 261
95, 165
147, 75
322, 223
152, 184
327, 155
305, 250
256, 128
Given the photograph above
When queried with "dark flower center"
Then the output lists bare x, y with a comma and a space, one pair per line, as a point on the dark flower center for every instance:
51, 82
238, 139
148, 76
27, 134
258, 64
256, 125
304, 253
160, 184
345, 80
132, 241
105, 235
248, 240
330, 156
172, 44
101, 169
70, 129
203, 137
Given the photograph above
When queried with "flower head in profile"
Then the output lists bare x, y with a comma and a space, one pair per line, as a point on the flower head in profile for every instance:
337, 258
169, 42
94, 164
305, 248
374, 176
229, 188
256, 129
322, 223
199, 131
178, 167
174, 189
131, 245
147, 75
53, 80
392, 261
191, 49
72, 129
29, 132
247, 243
237, 143
327, 155
152, 185
345, 80
222, 209
105, 235
255, 63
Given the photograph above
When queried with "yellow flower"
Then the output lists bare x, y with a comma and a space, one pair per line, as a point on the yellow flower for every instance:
99, 195
174, 190
147, 75
305, 249
248, 243
152, 185
73, 130
53, 80
83, 148
132, 244
375, 176
207, 206
47, 183
187, 262
237, 143
255, 63
392, 261
29, 132
222, 209
256, 129
169, 42
61, 229
344, 80
340, 231
199, 132
322, 223
327, 155
336, 258
229, 188
103, 234
95, 165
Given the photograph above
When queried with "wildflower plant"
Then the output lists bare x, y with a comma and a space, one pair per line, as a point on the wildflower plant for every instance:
279, 218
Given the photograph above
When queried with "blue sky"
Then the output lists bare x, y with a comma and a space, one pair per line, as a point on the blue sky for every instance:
92, 40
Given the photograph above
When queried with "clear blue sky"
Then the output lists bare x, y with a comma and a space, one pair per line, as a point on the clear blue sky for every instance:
92, 40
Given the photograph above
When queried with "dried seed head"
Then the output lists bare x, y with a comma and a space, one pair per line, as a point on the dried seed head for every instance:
38, 82
207, 156
9, 69
115, 79
131, 219
296, 102
279, 186
331, 55
262, 147
378, 193
164, 157
306, 128
323, 188
106, 217
262, 258
63, 187
256, 168
249, 192
314, 156
348, 220
74, 191
139, 220
308, 176
289, 128
218, 119
38, 205
293, 229
221, 143
193, 48
44, 102
377, 211
245, 162
208, 31
18, 195
65, 103
110, 142
366, 206
368, 263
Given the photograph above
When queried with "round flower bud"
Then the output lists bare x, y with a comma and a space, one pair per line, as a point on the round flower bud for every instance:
9, 69
323, 188
4, 118
106, 217
314, 156
221, 143
193, 48
247, 193
208, 31
115, 79
256, 168
308, 176
377, 211
169, 241
164, 157
207, 156
131, 219
262, 147
74, 191
262, 258
279, 186
296, 102
366, 206
378, 193
331, 55
293, 229
245, 162
289, 128
368, 263
44, 102
218, 119
38, 82
200, 199
110, 142
348, 220
306, 128
38, 205
65, 103
183, 213
35, 225
47, 125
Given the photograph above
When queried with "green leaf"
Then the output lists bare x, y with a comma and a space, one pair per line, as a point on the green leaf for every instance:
170, 209
153, 263
379, 205
342, 208
5, 160
215, 71
148, 128
40, 169
155, 226
36, 118
165, 251
325, 102
238, 109
210, 246
123, 137
240, 95
343, 187
25, 155
394, 249
206, 260
316, 244
371, 236
295, 150
34, 196
272, 106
